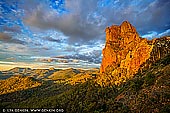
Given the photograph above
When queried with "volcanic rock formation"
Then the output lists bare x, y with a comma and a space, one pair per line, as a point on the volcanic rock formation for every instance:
125, 52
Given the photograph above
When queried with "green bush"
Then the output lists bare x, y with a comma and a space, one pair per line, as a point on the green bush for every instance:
137, 84
149, 79
165, 109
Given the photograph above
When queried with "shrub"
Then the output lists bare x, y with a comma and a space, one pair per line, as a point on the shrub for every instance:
149, 79
137, 84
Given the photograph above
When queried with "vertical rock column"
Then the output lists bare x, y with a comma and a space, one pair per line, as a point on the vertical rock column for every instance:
124, 52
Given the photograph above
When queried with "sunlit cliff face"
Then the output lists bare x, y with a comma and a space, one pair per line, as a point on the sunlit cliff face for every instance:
125, 54
69, 33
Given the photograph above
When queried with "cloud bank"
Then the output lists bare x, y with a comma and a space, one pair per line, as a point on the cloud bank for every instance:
83, 20
8, 39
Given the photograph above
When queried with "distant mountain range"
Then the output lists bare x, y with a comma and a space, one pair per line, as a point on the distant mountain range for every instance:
93, 57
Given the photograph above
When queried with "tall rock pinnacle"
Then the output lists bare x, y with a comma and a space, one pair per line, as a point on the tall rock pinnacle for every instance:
124, 53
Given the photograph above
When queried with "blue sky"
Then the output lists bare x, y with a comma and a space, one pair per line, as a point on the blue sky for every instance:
34, 30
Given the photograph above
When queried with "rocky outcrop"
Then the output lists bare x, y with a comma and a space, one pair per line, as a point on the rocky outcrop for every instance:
160, 50
125, 52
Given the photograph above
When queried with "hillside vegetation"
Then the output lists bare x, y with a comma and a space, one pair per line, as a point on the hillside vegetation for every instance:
17, 83
147, 92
